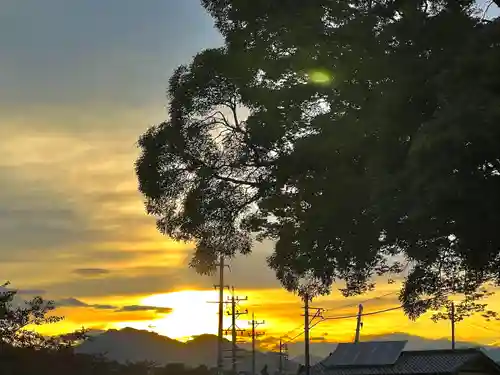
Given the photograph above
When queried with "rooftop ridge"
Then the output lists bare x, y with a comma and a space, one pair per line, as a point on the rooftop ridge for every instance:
441, 350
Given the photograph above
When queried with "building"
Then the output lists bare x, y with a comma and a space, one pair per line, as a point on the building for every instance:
388, 358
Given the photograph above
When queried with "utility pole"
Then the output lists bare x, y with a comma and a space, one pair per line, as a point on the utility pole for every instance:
221, 302
359, 323
307, 322
280, 367
306, 333
234, 330
233, 333
255, 334
283, 357
452, 316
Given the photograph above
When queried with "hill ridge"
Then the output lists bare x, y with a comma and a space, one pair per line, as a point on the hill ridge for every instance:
129, 344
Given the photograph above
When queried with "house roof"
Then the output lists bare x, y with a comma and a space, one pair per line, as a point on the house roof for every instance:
366, 353
411, 362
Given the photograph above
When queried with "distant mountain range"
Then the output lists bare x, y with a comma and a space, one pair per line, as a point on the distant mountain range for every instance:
131, 345
136, 345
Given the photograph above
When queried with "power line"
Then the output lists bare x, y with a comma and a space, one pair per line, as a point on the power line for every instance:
480, 326
322, 319
301, 326
355, 304
335, 308
364, 314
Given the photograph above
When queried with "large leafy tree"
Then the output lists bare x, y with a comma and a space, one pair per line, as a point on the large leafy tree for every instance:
351, 132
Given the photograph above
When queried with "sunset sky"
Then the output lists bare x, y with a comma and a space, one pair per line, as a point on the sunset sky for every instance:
79, 82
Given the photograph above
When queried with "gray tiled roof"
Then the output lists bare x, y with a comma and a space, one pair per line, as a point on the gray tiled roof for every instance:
410, 362
367, 353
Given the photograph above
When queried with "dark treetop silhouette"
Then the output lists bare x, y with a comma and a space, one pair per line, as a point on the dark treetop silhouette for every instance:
372, 135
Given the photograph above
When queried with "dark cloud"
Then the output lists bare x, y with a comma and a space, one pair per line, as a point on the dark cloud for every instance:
103, 307
161, 310
118, 255
74, 302
90, 272
70, 302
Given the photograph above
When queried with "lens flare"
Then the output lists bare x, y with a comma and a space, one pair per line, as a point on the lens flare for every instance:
320, 77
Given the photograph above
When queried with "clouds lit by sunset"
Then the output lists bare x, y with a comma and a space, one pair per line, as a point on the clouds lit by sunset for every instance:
74, 99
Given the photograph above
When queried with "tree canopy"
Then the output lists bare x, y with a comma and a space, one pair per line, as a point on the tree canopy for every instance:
18, 318
362, 136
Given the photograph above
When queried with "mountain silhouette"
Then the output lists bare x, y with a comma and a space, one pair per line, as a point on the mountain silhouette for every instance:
132, 345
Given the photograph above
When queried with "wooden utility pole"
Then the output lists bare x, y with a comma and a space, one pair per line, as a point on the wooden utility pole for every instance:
306, 334
234, 330
283, 357
307, 326
359, 323
254, 334
233, 334
220, 341
280, 366
452, 318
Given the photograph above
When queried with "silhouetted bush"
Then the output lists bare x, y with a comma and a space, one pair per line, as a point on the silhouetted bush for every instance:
30, 361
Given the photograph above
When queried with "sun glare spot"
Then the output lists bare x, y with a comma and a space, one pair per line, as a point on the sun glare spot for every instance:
319, 77
192, 313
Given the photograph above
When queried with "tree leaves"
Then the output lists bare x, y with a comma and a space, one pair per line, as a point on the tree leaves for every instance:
199, 171
391, 158
15, 322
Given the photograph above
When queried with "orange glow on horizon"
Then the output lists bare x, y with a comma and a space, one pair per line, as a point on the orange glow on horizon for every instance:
193, 315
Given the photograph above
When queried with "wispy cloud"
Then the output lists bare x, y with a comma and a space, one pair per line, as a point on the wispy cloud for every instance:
161, 310
91, 272
76, 303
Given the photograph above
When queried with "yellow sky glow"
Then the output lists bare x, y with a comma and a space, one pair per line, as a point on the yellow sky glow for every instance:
193, 314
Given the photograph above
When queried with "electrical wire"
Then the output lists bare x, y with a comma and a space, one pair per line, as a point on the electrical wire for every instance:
405, 267
363, 314
349, 317
361, 302
301, 326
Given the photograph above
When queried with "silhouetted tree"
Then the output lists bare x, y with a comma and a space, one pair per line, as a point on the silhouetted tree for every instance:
371, 137
17, 317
